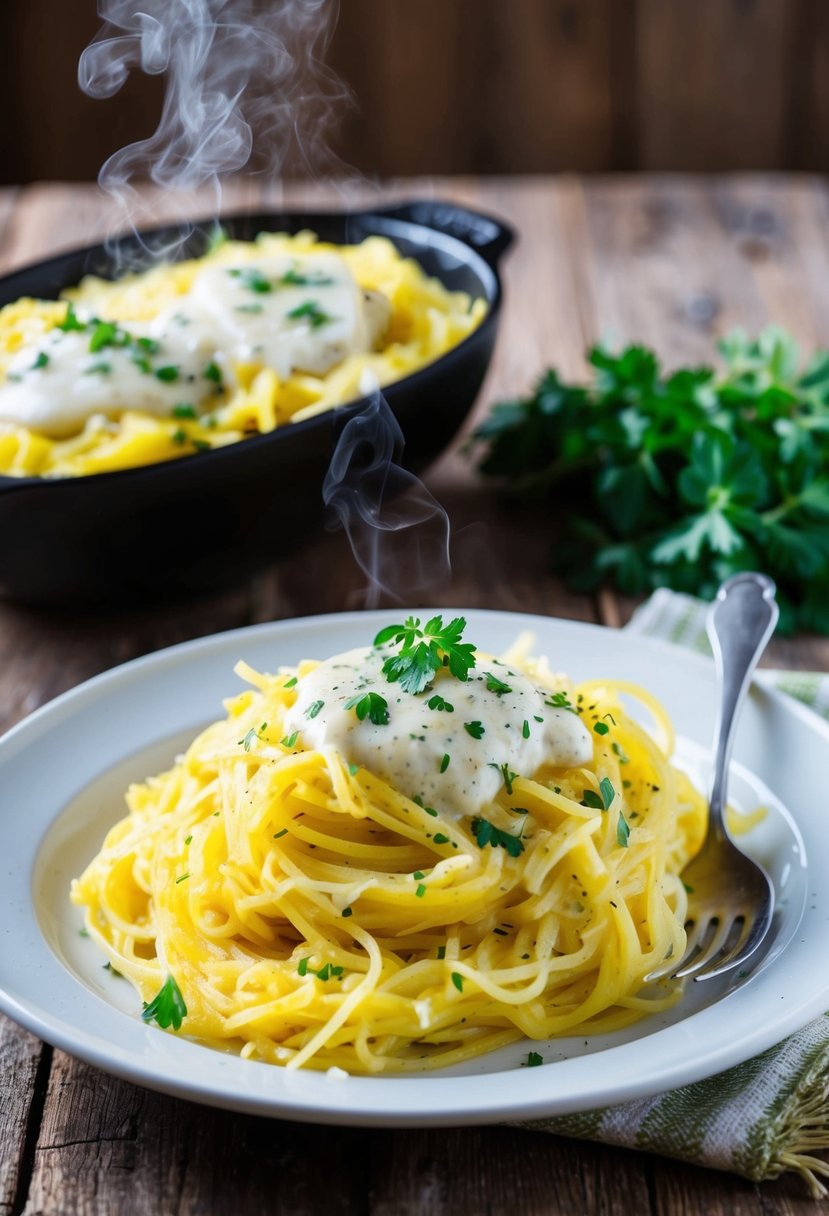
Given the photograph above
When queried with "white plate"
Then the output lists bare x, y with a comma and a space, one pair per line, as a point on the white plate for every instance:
62, 775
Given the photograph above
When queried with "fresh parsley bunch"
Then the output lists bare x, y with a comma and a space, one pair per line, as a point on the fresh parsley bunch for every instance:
682, 480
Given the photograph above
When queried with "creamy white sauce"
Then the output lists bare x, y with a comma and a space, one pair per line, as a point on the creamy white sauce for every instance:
289, 313
409, 751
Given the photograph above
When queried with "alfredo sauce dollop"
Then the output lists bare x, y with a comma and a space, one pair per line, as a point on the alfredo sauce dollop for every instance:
447, 745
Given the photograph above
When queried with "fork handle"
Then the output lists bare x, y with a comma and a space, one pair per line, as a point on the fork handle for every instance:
740, 623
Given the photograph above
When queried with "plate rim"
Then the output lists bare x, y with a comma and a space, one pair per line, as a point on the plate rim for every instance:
532, 1098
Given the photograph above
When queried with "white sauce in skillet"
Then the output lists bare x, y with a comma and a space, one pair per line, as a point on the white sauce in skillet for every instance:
409, 751
284, 312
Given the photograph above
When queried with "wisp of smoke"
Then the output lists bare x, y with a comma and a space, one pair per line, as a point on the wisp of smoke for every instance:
246, 88
398, 531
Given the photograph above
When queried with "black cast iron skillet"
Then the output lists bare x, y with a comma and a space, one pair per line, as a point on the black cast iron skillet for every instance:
205, 521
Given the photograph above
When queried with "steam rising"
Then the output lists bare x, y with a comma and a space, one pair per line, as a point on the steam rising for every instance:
246, 89
398, 532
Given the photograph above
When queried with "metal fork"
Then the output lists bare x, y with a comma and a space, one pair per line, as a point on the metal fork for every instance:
731, 897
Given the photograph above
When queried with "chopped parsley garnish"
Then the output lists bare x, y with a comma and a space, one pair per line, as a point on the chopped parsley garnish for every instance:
348, 912
507, 774
441, 952
326, 971
311, 312
106, 333
423, 652
421, 890
525, 729
591, 798
255, 732
253, 278
41, 361
601, 728
213, 372
440, 838
533, 1059
150, 346
313, 710
444, 764
620, 752
354, 769
607, 791
168, 373
294, 278
182, 877
179, 436
70, 321
289, 740
418, 874
183, 411
188, 839
560, 700
101, 369
475, 729
369, 705
493, 684
486, 833
622, 832
253, 309
430, 810
689, 889
457, 980
279, 835
167, 1008
437, 702
290, 683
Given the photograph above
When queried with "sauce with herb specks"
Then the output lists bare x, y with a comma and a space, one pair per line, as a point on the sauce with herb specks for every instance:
284, 312
511, 722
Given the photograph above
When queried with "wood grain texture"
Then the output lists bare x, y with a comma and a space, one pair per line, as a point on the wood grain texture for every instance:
478, 86
675, 261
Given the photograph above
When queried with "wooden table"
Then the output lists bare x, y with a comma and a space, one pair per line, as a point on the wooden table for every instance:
670, 261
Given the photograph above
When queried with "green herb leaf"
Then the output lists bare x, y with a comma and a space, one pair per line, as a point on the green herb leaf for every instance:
607, 791
313, 710
437, 702
486, 833
369, 705
475, 729
311, 312
506, 772
424, 651
167, 1008
681, 479
457, 980
591, 798
622, 831
289, 741
493, 684
534, 1059
70, 321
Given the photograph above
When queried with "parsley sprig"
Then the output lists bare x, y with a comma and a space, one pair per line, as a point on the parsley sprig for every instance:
424, 651
486, 833
167, 1008
682, 479
370, 705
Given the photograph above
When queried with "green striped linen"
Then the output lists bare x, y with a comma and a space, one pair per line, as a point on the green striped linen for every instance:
766, 1116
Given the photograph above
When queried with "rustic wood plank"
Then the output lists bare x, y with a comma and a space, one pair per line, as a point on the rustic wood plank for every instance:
24, 1063
724, 49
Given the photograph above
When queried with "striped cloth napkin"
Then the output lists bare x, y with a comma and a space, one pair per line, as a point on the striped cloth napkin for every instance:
766, 1116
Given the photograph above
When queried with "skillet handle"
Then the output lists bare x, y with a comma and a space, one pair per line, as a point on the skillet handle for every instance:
488, 236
